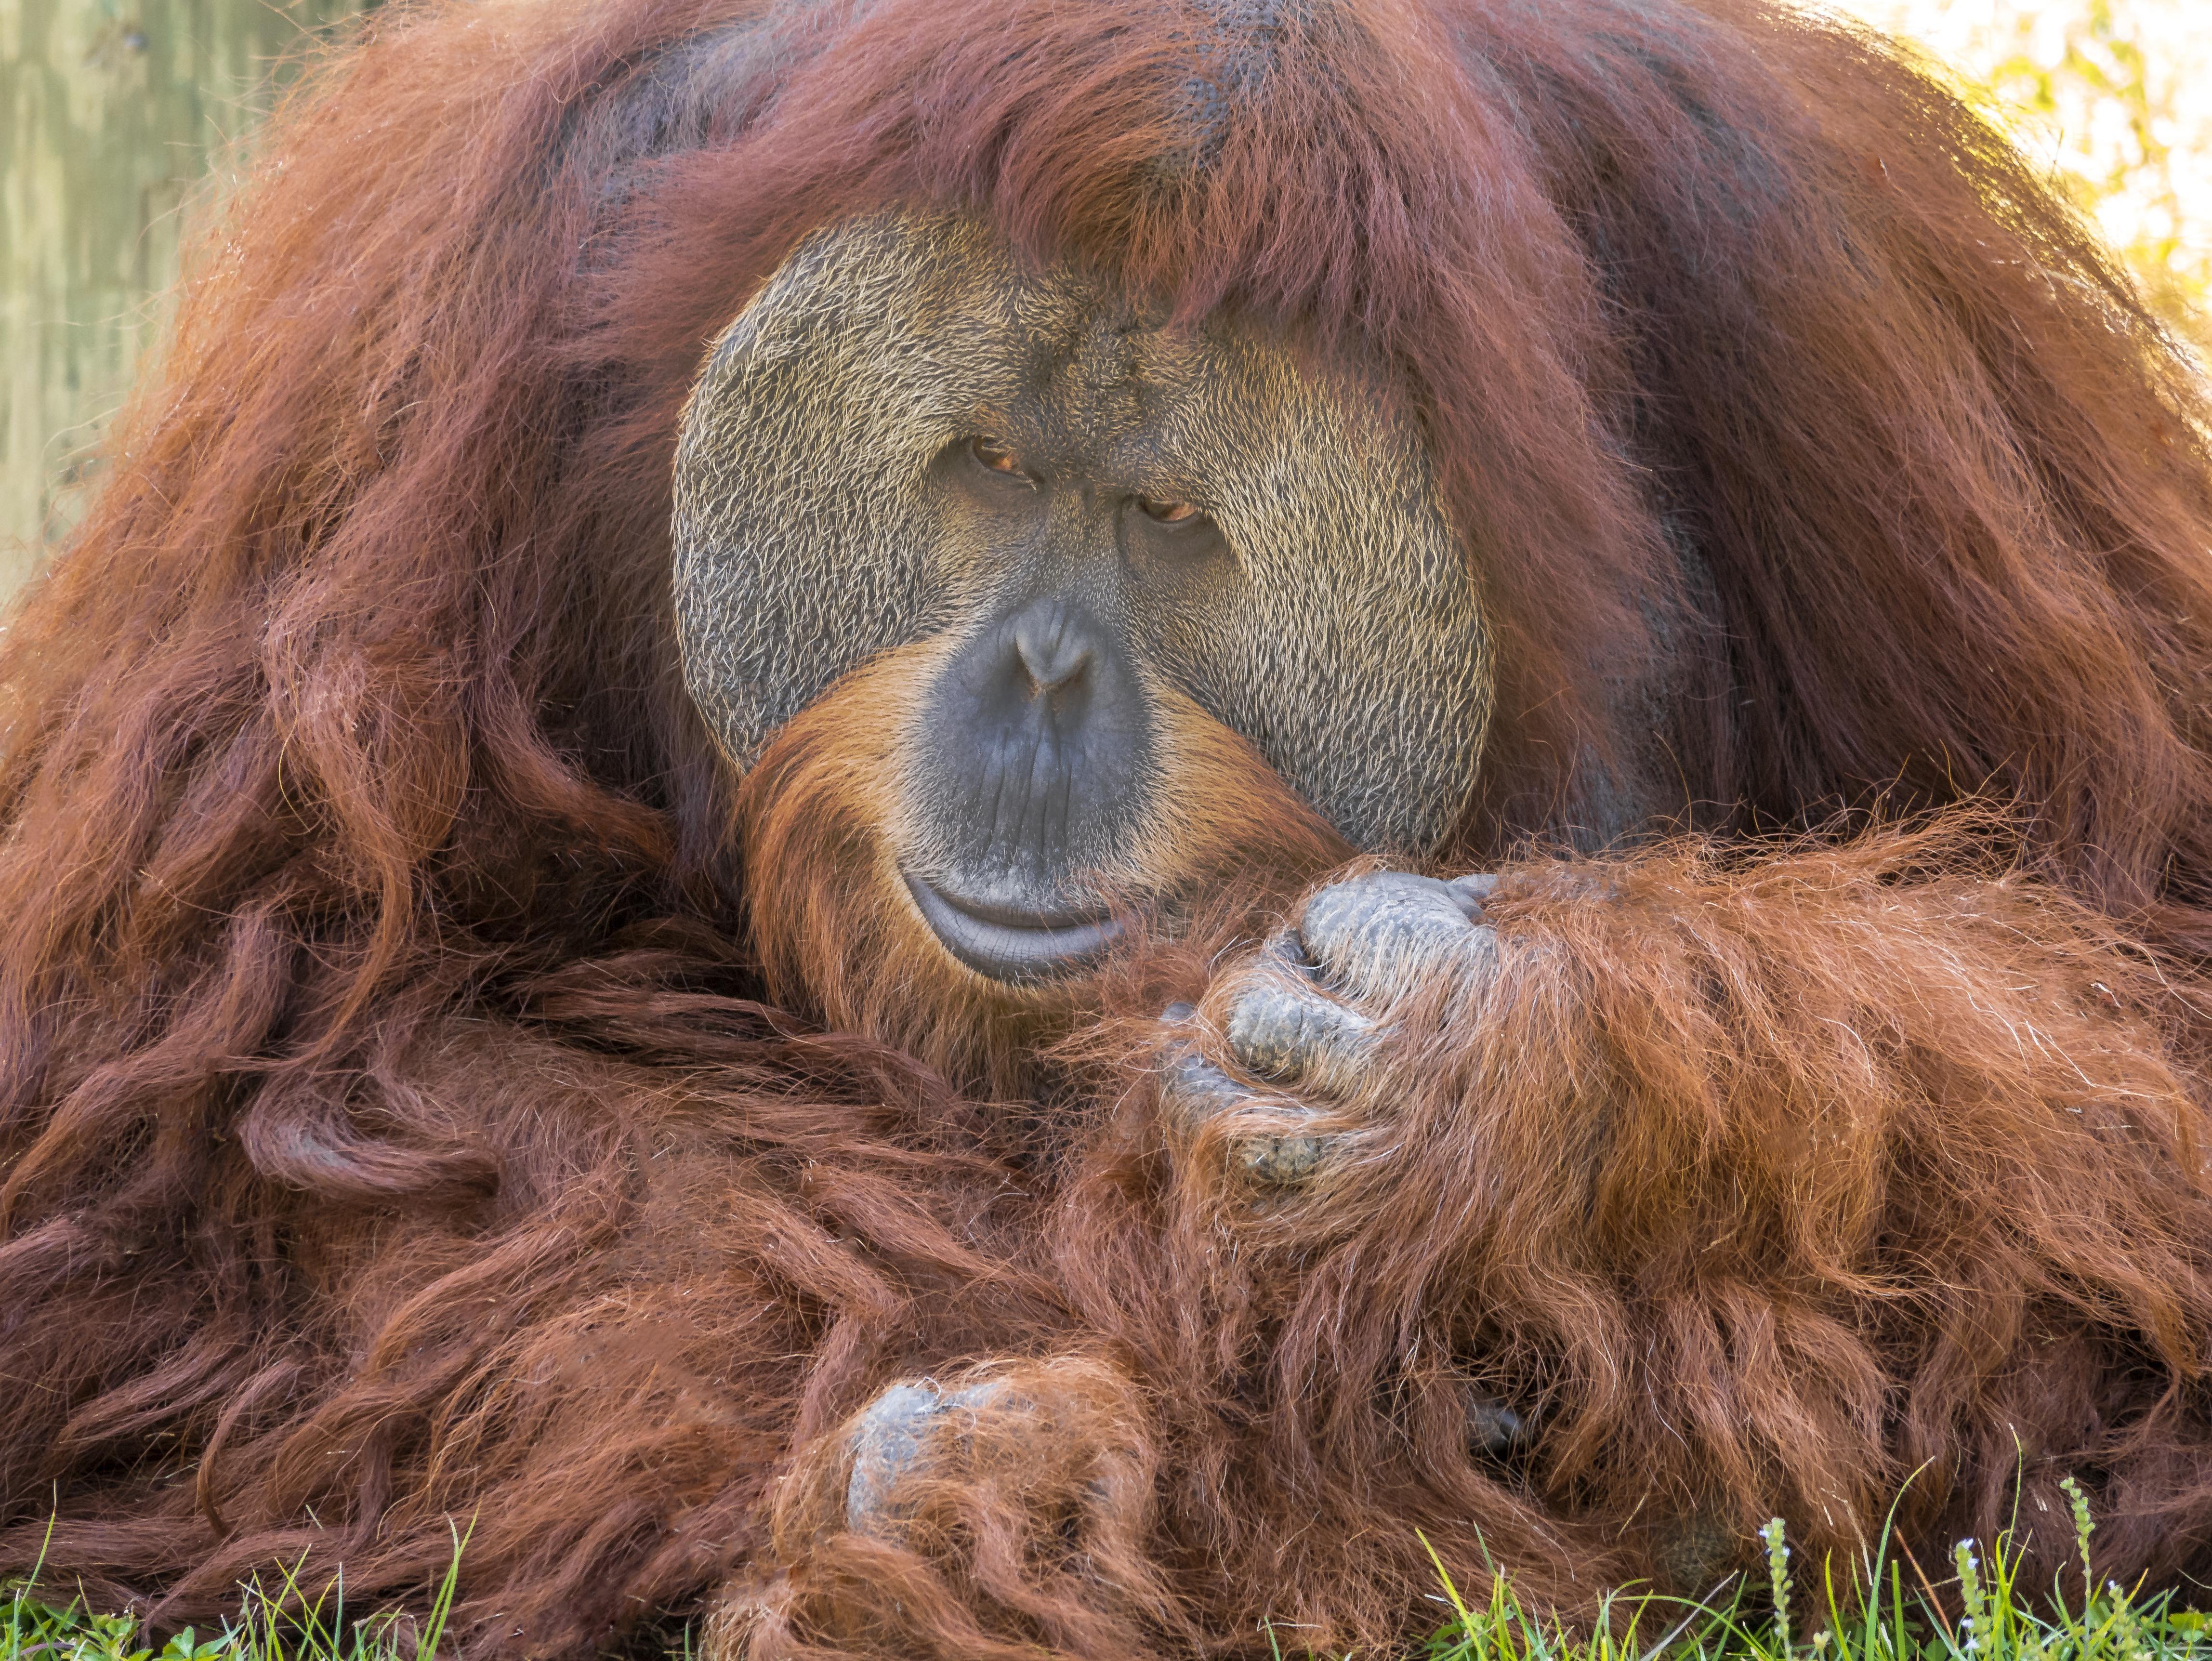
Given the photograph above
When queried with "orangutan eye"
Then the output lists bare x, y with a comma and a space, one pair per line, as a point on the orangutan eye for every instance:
996, 457
1169, 513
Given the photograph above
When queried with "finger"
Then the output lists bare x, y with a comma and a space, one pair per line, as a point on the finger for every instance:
905, 1430
1282, 1160
1473, 892
1267, 1139
887, 1443
1286, 1028
1382, 933
1197, 1089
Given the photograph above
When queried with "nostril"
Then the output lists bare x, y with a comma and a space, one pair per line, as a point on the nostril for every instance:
1052, 654
1049, 674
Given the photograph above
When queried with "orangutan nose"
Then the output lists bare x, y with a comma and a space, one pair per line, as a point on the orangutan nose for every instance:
1053, 646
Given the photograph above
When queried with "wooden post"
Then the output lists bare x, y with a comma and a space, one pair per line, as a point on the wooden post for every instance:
112, 114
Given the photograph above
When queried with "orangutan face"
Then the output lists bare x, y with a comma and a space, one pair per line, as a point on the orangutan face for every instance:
1084, 535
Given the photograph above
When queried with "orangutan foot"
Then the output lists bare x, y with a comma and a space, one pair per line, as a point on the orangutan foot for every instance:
1019, 1493
902, 1432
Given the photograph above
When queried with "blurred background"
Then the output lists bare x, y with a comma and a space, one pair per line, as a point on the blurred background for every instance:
2113, 98
118, 119
121, 120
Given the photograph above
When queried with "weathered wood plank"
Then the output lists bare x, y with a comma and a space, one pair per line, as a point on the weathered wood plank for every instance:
112, 114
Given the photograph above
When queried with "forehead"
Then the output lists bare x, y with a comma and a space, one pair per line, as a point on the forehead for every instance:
945, 302
1102, 394
1096, 382
1085, 344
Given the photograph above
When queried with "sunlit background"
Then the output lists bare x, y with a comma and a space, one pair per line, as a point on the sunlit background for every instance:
112, 111
2113, 98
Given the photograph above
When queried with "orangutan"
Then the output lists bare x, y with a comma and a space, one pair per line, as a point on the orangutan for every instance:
981, 830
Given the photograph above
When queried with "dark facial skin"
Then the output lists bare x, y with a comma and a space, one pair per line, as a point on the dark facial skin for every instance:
1046, 712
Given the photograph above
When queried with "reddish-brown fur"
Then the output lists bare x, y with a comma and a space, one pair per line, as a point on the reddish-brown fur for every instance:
398, 1129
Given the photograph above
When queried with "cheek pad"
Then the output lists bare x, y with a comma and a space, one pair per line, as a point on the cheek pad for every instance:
1353, 652
804, 537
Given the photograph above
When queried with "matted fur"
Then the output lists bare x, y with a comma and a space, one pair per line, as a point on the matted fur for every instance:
397, 1132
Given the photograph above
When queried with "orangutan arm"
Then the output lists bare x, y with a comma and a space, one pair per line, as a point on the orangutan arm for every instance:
1765, 1180
1581, 1222
1736, 1033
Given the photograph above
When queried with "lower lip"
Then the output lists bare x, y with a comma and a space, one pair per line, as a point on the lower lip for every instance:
1004, 952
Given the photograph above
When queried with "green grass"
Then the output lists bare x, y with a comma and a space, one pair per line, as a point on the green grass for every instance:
1776, 1620
278, 1623
1903, 1619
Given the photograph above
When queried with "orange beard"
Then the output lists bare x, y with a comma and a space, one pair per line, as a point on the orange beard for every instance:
842, 941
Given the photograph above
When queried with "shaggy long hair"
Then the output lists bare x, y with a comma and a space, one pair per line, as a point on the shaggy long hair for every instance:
401, 1131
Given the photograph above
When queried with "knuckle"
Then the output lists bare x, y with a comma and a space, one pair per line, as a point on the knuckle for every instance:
1282, 1029
1379, 934
1282, 1160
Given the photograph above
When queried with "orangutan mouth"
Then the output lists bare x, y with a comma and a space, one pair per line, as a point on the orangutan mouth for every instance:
1009, 943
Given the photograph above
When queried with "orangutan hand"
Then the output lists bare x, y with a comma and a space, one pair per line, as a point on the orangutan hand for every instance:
1314, 1020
